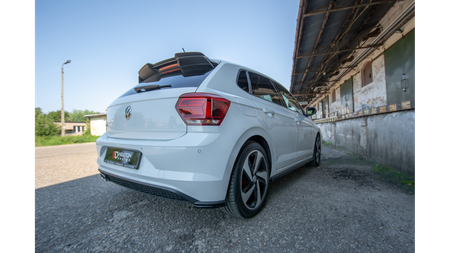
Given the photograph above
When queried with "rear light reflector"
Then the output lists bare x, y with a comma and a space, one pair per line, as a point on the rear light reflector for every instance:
202, 108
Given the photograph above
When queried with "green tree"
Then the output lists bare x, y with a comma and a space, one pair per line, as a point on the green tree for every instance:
56, 116
43, 125
78, 115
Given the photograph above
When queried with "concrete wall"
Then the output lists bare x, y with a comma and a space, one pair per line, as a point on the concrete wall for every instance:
384, 138
391, 140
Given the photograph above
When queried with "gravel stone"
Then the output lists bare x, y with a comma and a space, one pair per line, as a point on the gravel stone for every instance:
339, 206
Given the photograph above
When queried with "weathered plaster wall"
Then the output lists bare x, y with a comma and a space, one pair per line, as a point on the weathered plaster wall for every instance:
384, 138
328, 132
390, 140
335, 107
348, 134
374, 94
367, 97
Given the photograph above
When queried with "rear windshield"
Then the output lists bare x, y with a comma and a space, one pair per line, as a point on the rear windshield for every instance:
175, 81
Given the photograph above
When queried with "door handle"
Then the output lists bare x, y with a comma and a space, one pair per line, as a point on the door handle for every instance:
265, 110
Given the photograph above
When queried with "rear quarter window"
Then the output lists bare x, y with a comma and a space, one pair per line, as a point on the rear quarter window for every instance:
242, 81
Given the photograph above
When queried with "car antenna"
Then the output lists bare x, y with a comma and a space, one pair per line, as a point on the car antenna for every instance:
183, 49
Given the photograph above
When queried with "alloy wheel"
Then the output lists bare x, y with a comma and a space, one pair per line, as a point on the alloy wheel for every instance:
254, 180
318, 150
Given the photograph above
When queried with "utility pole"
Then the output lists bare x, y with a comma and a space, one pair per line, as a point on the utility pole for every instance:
63, 127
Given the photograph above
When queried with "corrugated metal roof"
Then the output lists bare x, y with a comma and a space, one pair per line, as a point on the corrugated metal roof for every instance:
329, 33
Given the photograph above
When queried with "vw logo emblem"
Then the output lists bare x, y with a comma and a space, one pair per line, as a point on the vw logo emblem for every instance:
128, 112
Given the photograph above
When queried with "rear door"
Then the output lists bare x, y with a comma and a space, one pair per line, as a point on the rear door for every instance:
280, 122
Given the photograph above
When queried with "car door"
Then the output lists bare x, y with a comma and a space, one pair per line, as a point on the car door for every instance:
278, 120
304, 126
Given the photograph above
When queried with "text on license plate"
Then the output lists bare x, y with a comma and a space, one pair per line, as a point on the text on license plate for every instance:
122, 157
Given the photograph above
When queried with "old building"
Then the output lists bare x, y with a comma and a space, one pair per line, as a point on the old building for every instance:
355, 62
73, 128
97, 123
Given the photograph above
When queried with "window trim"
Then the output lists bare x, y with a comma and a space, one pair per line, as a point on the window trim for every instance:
275, 84
249, 86
363, 74
275, 88
333, 96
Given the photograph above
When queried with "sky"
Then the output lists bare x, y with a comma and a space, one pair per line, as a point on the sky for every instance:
109, 41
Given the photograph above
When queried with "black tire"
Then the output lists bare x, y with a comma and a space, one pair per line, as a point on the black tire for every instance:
317, 152
249, 182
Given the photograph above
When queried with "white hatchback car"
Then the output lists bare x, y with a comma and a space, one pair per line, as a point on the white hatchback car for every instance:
208, 132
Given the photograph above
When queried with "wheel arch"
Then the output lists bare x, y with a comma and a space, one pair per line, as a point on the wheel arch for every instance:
254, 134
259, 139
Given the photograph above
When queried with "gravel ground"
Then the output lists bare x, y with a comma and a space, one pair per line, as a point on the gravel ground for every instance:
338, 207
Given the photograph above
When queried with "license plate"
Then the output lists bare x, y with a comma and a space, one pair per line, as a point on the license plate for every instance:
122, 157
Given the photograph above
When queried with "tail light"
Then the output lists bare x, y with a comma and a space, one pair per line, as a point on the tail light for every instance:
202, 108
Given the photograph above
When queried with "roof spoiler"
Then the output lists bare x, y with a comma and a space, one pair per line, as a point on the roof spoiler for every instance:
189, 63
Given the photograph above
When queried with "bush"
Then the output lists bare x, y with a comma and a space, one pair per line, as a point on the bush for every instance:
43, 125
58, 140
47, 133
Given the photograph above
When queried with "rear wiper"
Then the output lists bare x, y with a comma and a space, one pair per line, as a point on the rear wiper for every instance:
151, 87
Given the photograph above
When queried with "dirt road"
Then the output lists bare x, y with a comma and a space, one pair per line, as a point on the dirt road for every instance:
340, 206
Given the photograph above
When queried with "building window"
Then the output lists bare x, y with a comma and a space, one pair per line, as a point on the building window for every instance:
333, 96
366, 75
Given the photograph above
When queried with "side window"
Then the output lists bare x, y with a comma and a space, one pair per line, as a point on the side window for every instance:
289, 100
242, 81
263, 88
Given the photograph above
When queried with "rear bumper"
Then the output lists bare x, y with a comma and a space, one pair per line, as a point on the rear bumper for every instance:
159, 191
193, 168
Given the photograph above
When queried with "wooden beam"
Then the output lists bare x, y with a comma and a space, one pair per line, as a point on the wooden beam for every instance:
298, 36
310, 94
325, 64
319, 37
339, 51
347, 7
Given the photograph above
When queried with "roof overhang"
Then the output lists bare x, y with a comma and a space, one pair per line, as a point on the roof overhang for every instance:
95, 115
333, 36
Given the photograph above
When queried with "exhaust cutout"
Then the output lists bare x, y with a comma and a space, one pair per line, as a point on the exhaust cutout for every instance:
104, 177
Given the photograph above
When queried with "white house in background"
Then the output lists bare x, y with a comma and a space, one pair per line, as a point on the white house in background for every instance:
73, 128
98, 123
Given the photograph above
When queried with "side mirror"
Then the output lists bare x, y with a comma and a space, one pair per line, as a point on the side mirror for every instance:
310, 111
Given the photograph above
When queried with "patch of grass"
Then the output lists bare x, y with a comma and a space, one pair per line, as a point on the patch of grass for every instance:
58, 140
393, 176
327, 143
